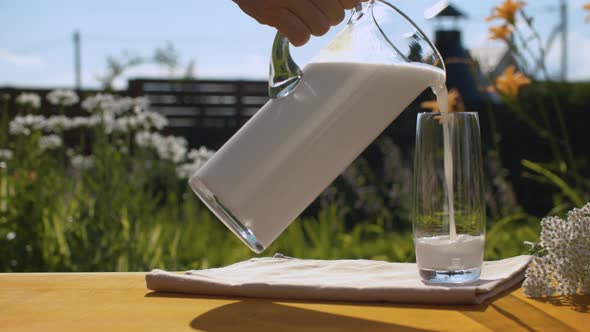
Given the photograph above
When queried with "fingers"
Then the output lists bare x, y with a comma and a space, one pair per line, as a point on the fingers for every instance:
293, 27
298, 19
311, 15
332, 9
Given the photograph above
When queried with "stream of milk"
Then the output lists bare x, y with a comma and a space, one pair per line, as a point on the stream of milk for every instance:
442, 97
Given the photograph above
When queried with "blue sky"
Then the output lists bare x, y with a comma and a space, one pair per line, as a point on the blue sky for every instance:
36, 36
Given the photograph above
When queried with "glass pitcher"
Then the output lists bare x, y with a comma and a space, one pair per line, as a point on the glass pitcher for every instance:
319, 119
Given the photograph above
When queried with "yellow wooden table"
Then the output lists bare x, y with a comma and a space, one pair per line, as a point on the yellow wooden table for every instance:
120, 302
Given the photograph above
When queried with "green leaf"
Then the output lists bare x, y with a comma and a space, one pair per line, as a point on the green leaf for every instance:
568, 191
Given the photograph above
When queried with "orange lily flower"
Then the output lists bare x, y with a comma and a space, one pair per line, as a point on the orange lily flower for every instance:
31, 176
506, 11
503, 32
510, 82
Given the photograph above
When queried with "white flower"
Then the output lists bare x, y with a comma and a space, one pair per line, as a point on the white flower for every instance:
63, 97
145, 121
29, 99
98, 102
84, 122
115, 105
108, 120
143, 139
565, 269
140, 104
185, 171
126, 123
23, 125
197, 160
57, 123
6, 154
201, 154
10, 236
170, 148
50, 142
120, 106
152, 119
122, 124
82, 162
93, 121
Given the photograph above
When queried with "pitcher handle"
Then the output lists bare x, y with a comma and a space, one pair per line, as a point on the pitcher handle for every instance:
285, 74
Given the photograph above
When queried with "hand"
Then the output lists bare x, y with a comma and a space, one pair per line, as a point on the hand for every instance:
298, 19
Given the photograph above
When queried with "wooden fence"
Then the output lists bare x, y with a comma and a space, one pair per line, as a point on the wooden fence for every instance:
205, 112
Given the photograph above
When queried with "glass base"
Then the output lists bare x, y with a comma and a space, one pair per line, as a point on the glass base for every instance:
450, 276
225, 215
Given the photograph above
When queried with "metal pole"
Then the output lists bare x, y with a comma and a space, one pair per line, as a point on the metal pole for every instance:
564, 40
77, 60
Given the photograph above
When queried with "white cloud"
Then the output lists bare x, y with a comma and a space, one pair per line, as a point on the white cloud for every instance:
146, 70
245, 67
578, 64
47, 78
248, 67
20, 60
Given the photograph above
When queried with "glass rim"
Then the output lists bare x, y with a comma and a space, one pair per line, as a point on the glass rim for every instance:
450, 113
435, 115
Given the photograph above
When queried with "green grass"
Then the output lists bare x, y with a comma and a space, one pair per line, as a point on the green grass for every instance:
121, 228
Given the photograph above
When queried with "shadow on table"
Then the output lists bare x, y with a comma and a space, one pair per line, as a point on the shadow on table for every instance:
579, 303
269, 316
505, 311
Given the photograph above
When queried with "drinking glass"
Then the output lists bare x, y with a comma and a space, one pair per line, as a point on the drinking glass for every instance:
448, 205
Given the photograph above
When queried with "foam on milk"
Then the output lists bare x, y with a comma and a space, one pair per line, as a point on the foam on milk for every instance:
443, 254
307, 138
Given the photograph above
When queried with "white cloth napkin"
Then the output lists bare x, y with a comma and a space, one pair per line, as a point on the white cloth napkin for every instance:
282, 277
